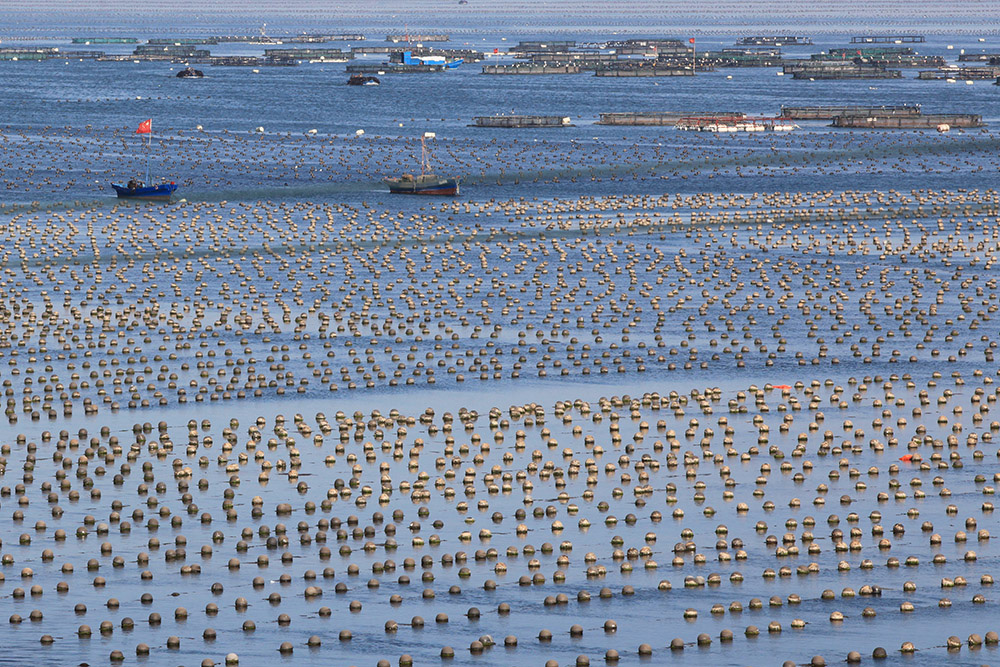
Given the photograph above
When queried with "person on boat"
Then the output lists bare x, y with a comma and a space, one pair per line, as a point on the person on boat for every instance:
134, 183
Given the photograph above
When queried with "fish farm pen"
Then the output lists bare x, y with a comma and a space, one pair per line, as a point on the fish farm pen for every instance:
929, 121
960, 74
773, 40
466, 55
888, 39
375, 50
169, 52
978, 57
392, 68
105, 40
582, 58
182, 41
528, 69
45, 53
835, 69
831, 112
251, 61
733, 124
542, 47
418, 38
650, 70
521, 121
669, 118
329, 55
734, 57
317, 38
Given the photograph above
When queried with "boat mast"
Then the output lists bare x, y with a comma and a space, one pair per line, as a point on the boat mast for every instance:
424, 167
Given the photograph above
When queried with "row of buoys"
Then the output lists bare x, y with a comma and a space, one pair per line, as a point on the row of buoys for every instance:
648, 414
178, 291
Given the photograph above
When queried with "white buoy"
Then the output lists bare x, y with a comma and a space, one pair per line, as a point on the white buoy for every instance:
314, 131
198, 127
943, 127
358, 133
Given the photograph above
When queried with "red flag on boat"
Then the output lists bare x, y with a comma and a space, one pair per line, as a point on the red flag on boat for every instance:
145, 127
691, 40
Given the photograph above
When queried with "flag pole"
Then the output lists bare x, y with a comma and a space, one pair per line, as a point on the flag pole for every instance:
149, 142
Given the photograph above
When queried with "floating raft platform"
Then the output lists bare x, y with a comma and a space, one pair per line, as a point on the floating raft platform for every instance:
531, 69
833, 70
542, 47
318, 38
168, 51
846, 74
329, 55
960, 74
441, 37
649, 70
105, 40
656, 46
450, 55
978, 57
392, 68
831, 112
734, 124
888, 39
182, 41
773, 40
592, 58
251, 61
521, 121
668, 118
921, 122
739, 57
45, 53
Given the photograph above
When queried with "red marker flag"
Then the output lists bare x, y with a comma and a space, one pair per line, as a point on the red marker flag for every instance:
145, 127
691, 40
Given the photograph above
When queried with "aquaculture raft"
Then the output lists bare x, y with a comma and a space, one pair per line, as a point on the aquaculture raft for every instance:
831, 112
929, 121
521, 121
662, 117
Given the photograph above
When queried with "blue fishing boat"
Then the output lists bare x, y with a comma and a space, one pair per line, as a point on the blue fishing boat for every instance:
136, 189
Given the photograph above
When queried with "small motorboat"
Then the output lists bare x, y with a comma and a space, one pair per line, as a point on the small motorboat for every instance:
135, 189
362, 80
190, 73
